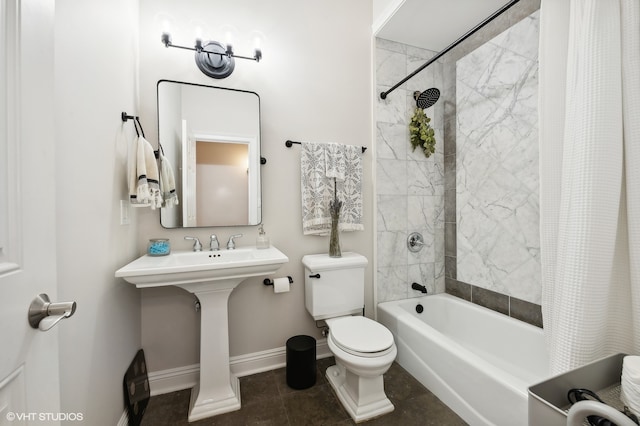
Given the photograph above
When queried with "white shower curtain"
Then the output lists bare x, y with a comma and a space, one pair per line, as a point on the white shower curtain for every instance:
589, 109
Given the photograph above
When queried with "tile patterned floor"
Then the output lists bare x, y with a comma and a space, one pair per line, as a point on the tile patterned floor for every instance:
268, 401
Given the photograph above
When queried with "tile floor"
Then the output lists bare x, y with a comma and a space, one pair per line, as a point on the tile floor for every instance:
267, 400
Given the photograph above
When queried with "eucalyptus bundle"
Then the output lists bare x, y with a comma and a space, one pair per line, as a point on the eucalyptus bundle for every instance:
422, 134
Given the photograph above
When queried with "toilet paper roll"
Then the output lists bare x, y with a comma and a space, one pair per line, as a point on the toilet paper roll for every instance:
281, 285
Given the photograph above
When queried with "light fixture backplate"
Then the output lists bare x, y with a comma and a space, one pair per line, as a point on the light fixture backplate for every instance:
213, 60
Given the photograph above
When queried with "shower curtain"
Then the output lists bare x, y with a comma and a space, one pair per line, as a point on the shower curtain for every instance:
589, 109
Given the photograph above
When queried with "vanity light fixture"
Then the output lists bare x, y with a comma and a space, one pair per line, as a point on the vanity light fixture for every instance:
213, 58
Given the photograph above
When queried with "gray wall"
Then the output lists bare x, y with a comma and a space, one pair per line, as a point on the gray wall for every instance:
303, 97
92, 88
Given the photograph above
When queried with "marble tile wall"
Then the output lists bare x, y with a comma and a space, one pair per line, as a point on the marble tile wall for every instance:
410, 187
498, 299
498, 244
407, 201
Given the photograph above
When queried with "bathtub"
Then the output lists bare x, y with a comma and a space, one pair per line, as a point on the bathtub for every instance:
477, 361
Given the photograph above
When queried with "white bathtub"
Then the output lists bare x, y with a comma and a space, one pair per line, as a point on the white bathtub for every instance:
477, 361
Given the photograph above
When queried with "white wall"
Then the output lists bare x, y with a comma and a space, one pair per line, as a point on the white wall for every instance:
95, 69
383, 10
314, 85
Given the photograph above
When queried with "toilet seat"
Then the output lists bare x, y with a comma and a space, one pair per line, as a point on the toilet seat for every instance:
361, 336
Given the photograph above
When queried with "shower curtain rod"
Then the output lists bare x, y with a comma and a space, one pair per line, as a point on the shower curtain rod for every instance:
438, 55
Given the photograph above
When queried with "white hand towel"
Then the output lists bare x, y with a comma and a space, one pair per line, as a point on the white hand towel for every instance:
144, 185
317, 190
630, 383
167, 183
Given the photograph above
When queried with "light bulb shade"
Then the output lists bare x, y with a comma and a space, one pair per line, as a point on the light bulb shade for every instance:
213, 60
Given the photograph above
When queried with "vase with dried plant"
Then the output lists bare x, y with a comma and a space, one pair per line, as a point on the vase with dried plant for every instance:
334, 239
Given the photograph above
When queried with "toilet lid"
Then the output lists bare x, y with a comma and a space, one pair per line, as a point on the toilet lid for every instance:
360, 334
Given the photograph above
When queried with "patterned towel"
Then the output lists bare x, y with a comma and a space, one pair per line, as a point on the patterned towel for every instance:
316, 161
334, 160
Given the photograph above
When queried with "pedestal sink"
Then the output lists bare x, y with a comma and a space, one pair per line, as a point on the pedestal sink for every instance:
211, 276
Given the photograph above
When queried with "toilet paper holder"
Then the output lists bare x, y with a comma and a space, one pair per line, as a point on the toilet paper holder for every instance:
269, 281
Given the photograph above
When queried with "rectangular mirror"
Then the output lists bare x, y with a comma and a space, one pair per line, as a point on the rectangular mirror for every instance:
211, 137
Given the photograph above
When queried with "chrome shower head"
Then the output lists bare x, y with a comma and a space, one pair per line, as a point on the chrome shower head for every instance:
427, 98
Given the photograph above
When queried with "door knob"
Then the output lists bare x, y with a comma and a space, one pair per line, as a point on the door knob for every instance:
44, 315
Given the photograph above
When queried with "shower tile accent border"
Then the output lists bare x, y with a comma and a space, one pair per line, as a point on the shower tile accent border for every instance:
522, 310
458, 289
490, 299
526, 311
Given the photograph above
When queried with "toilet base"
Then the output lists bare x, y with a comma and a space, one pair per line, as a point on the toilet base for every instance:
362, 397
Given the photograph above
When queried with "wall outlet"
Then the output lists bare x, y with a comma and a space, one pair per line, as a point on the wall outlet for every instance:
124, 212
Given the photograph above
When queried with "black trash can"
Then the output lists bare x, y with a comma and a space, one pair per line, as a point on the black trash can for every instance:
301, 362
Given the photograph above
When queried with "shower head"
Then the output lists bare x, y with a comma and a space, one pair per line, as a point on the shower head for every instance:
427, 98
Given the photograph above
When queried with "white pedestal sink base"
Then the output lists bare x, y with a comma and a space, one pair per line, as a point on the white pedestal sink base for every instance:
218, 390
199, 410
211, 276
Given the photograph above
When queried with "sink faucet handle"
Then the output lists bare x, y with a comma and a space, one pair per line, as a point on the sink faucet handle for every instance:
197, 246
214, 245
232, 244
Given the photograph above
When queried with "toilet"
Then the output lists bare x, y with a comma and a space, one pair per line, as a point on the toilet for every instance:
363, 349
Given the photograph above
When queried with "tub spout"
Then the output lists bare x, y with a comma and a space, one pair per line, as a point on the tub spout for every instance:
419, 287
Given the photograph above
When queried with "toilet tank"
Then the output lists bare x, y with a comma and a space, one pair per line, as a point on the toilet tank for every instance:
334, 286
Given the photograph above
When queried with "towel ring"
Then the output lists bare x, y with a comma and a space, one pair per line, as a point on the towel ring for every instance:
140, 124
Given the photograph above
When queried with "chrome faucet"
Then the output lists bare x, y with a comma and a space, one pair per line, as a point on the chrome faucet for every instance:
196, 243
232, 244
213, 244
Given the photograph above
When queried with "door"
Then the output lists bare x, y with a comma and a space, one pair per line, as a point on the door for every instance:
29, 375
189, 185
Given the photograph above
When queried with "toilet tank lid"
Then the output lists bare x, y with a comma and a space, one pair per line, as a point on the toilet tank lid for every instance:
322, 262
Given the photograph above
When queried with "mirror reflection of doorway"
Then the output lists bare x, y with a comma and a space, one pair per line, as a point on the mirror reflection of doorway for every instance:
222, 182
190, 112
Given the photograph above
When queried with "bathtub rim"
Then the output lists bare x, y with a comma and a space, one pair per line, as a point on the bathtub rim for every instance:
514, 383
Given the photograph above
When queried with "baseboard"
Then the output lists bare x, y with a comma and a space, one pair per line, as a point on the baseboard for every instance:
124, 419
175, 379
